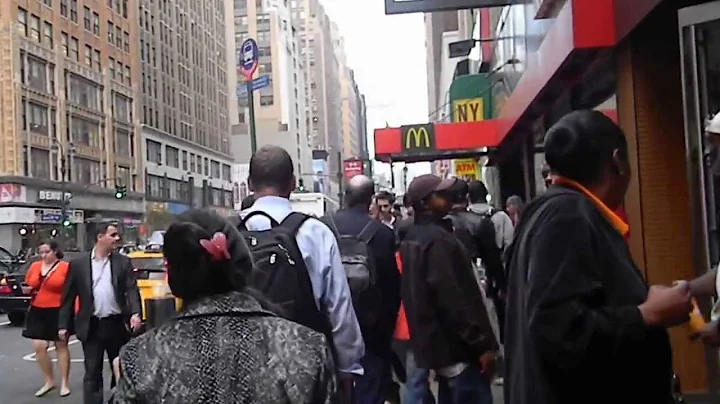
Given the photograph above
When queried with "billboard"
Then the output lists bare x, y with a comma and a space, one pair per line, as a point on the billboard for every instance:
353, 167
320, 169
428, 6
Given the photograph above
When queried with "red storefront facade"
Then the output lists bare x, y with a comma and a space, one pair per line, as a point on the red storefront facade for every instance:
641, 62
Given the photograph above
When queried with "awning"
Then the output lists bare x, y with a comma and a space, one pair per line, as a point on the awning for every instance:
428, 142
581, 30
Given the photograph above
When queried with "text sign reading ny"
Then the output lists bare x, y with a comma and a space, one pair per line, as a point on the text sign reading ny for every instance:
418, 138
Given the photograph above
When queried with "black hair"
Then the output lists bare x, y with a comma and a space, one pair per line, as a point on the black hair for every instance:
458, 192
406, 201
385, 196
247, 202
477, 191
103, 228
192, 271
54, 247
271, 167
581, 143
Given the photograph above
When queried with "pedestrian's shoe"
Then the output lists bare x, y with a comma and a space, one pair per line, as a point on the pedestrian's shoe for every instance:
64, 391
44, 390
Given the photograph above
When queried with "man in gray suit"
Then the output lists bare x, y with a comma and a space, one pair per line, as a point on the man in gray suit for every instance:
109, 296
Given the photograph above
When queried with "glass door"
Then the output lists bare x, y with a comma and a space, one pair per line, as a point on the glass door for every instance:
700, 59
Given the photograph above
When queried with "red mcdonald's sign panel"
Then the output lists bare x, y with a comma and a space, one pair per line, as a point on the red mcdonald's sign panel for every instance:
353, 167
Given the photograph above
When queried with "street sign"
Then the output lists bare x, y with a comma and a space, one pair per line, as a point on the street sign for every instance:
247, 58
258, 83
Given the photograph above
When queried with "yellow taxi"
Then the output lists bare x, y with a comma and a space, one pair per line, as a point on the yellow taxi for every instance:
151, 272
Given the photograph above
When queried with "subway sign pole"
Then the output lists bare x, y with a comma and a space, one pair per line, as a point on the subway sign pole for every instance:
247, 62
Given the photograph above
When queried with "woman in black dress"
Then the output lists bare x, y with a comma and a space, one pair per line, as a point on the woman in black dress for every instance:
47, 277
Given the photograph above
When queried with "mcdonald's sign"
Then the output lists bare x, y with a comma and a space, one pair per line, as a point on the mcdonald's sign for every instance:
418, 138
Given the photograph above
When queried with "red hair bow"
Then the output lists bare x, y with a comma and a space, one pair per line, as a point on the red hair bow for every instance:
217, 247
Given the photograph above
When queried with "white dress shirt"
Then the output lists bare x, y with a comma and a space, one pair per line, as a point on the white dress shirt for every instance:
103, 292
322, 258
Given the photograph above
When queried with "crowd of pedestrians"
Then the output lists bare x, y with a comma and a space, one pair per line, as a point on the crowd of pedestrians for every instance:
283, 307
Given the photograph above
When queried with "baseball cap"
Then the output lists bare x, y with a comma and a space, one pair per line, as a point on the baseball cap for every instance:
426, 184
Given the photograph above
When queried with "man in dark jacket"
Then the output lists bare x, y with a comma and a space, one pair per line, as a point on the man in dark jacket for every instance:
371, 387
450, 331
582, 325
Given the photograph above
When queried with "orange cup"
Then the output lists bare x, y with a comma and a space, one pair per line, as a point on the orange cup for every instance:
697, 322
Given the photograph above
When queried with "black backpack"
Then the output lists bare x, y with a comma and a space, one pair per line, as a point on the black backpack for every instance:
280, 273
359, 263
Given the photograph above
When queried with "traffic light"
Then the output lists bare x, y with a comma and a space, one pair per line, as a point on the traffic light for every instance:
301, 185
66, 221
53, 233
120, 191
23, 231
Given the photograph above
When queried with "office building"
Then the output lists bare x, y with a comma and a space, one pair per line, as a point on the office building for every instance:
320, 39
281, 107
69, 128
184, 106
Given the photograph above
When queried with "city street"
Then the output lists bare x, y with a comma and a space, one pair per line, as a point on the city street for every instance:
20, 377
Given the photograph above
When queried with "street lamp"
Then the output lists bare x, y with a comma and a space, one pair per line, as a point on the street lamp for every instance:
58, 146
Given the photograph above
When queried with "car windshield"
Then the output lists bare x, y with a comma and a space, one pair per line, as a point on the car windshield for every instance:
148, 263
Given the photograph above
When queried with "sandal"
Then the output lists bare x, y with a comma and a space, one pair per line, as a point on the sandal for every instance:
44, 390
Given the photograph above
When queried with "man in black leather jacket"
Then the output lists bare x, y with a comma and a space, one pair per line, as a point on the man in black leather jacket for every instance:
477, 233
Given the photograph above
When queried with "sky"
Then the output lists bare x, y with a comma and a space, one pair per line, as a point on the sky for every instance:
387, 54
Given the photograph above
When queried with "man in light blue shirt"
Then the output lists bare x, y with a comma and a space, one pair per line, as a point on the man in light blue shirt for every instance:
272, 180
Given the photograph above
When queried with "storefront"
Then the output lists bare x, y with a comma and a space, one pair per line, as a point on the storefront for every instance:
31, 212
652, 66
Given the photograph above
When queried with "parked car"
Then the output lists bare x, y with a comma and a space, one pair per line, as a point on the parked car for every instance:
15, 294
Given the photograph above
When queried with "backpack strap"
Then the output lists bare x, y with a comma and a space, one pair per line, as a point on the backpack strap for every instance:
329, 220
293, 222
246, 314
243, 223
368, 232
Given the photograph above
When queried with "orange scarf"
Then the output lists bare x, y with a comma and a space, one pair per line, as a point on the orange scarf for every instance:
614, 219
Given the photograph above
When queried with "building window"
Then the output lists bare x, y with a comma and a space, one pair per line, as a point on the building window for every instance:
122, 174
154, 186
84, 132
64, 43
215, 166
88, 55
111, 65
86, 19
36, 72
37, 119
266, 100
40, 163
226, 172
48, 3
206, 167
126, 42
97, 61
265, 68
118, 37
184, 160
96, 24
35, 27
63, 8
84, 93
127, 75
122, 143
86, 171
73, 11
111, 32
122, 108
48, 33
154, 151
22, 22
172, 157
74, 51
192, 163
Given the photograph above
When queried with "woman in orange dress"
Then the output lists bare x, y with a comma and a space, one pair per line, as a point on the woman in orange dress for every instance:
47, 279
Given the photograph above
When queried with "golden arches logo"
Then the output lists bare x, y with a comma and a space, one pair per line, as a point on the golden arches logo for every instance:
418, 135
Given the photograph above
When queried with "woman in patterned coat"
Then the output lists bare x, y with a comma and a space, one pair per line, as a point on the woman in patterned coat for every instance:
224, 347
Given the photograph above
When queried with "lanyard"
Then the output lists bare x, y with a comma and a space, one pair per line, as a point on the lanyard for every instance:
100, 275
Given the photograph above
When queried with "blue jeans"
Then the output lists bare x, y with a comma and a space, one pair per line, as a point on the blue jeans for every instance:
469, 387
371, 387
417, 387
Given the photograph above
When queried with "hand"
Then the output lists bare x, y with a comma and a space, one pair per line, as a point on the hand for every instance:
62, 335
487, 364
135, 322
116, 368
667, 307
709, 335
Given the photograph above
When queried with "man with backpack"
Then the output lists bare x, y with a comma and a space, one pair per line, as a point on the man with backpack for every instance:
297, 262
367, 248
504, 228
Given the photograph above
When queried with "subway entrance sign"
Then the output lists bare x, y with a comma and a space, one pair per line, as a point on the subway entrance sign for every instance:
434, 141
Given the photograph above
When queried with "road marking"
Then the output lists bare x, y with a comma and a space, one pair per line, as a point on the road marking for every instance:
31, 357
4, 323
